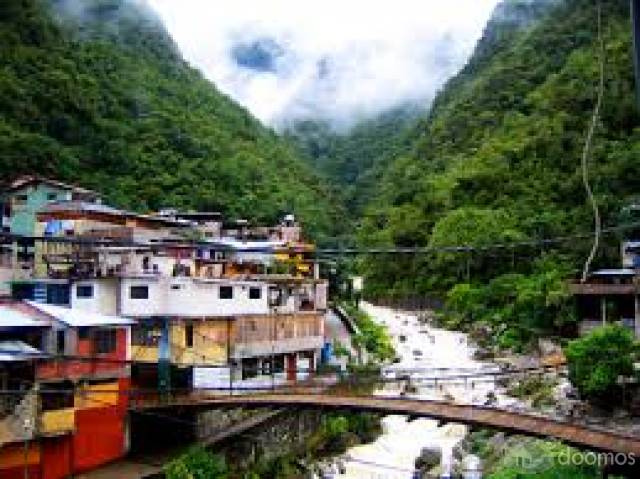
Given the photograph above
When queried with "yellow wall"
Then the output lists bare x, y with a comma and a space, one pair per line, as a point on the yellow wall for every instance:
56, 422
144, 353
97, 395
209, 342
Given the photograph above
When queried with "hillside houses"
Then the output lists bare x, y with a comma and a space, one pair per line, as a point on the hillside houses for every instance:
107, 299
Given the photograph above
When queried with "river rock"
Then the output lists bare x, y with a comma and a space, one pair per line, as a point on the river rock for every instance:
547, 347
483, 354
428, 459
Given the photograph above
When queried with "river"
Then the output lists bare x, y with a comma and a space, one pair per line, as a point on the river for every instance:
425, 353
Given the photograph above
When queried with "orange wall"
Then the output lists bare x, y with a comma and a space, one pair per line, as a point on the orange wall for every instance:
99, 437
57, 457
12, 461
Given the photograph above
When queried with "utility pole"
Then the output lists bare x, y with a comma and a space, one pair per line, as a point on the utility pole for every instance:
635, 20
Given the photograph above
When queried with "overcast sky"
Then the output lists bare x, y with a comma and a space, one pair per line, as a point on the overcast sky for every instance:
335, 59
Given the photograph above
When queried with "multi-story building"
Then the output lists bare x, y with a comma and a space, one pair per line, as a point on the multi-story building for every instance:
27, 195
246, 322
66, 373
208, 304
241, 298
19, 206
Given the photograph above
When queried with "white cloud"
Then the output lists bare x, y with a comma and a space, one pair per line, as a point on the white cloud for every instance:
340, 59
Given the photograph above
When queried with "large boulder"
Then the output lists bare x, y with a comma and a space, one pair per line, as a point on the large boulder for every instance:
428, 459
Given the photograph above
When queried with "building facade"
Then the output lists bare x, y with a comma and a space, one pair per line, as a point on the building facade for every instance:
69, 374
208, 304
611, 295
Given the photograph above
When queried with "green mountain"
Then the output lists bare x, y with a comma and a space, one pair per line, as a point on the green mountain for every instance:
96, 92
354, 159
498, 161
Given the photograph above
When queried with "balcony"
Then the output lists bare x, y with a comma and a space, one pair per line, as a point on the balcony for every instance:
604, 289
281, 346
264, 335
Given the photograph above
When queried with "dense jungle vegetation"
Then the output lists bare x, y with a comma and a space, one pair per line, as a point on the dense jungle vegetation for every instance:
354, 159
97, 93
498, 161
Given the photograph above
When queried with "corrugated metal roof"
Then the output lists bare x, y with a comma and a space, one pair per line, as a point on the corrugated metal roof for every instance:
614, 272
80, 318
246, 246
87, 207
18, 351
15, 316
82, 206
29, 179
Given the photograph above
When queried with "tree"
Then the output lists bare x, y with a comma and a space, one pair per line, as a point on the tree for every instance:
597, 360
474, 227
197, 463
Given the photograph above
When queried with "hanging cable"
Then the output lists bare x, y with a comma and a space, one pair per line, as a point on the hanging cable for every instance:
587, 150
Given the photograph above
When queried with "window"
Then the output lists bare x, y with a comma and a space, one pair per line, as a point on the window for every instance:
188, 335
21, 199
51, 196
255, 293
278, 363
55, 396
249, 368
226, 292
84, 291
266, 367
145, 336
60, 342
105, 341
139, 292
83, 333
58, 294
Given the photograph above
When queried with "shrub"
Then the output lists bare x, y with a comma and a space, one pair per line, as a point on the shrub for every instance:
599, 358
197, 463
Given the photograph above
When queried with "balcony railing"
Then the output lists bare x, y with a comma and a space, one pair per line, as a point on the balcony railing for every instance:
250, 349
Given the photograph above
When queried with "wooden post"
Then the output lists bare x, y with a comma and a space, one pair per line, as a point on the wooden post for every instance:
603, 309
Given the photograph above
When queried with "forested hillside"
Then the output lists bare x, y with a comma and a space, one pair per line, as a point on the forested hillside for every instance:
498, 161
355, 159
96, 93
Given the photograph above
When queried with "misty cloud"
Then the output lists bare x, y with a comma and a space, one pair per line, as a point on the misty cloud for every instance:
335, 60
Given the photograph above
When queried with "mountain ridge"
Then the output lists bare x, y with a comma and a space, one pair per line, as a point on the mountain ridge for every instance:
112, 105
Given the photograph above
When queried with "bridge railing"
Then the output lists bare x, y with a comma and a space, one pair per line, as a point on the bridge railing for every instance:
361, 382
368, 385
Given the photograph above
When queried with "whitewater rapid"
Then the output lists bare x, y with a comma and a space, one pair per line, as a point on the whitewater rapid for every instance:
425, 354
